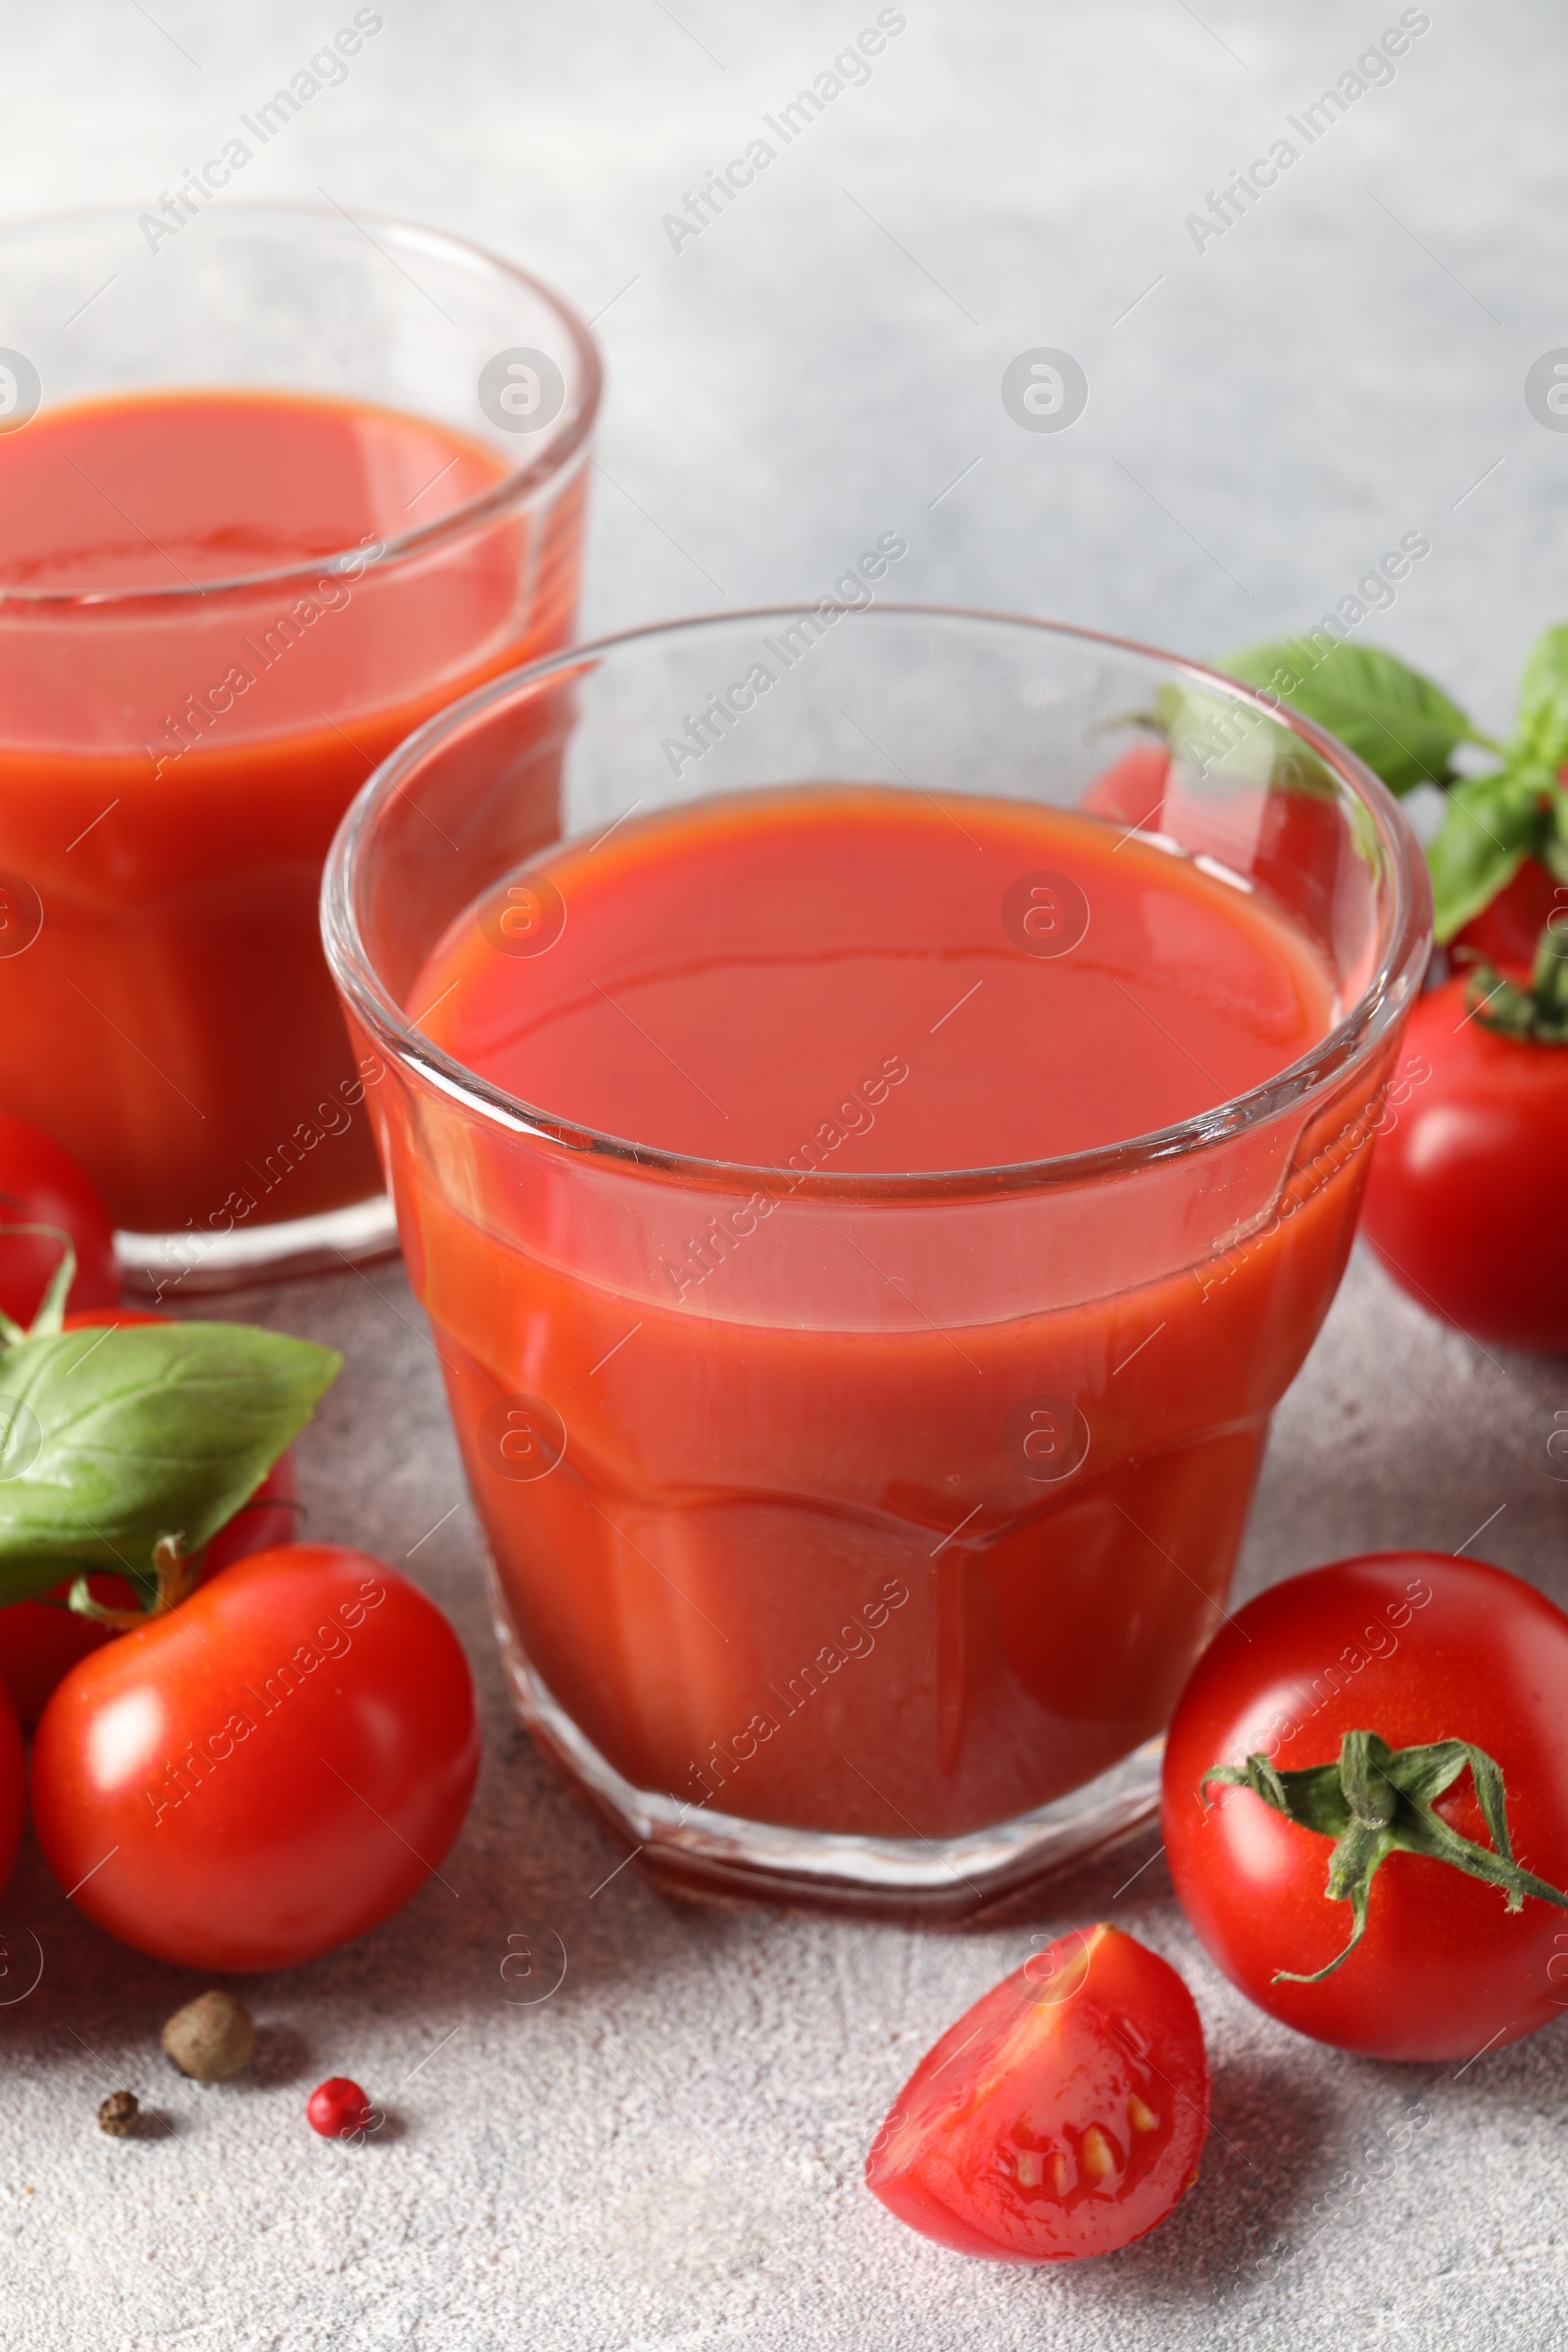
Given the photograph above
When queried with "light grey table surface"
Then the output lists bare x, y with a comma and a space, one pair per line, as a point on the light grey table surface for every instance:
667, 2151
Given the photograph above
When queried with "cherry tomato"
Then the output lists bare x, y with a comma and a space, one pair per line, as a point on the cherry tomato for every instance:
1419, 1647
1509, 931
266, 1771
40, 1183
1063, 2114
41, 1641
268, 1520
1289, 839
13, 1785
1464, 1194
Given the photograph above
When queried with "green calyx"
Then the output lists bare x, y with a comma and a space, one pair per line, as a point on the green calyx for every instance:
1377, 1800
1538, 1016
51, 1314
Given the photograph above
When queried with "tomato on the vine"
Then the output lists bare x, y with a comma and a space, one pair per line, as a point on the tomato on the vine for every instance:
40, 1183
1464, 1202
1063, 2114
1368, 1739
41, 1641
263, 1772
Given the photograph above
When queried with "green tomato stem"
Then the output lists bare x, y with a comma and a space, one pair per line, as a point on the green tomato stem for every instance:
177, 1579
1537, 1014
1376, 1801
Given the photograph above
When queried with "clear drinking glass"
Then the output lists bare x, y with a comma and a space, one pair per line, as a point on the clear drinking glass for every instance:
826, 1584
176, 752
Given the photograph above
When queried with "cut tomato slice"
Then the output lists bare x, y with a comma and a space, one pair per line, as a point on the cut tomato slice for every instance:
1063, 2114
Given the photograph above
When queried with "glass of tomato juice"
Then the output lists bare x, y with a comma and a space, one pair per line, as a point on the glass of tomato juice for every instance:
275, 483
871, 1170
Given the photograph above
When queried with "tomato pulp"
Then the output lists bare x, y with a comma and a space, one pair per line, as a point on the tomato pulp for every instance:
172, 768
1063, 2114
894, 1519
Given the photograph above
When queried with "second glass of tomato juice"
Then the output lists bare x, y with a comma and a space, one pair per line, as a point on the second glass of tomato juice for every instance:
868, 1204
274, 485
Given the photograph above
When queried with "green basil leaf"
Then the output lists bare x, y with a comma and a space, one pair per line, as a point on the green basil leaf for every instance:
1544, 701
110, 1439
1213, 738
1489, 825
1552, 847
1403, 726
26, 1579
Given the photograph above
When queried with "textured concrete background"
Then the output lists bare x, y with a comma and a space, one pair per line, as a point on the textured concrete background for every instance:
666, 2151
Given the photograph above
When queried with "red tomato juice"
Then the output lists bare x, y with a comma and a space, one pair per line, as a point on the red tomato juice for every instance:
172, 765
837, 1565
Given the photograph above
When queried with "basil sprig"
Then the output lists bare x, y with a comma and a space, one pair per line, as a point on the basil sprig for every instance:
1495, 822
1403, 726
1491, 825
114, 1439
1408, 731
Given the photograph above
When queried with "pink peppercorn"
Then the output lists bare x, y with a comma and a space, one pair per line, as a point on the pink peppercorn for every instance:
338, 2108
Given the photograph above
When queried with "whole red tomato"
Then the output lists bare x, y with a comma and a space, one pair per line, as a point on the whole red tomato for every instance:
41, 1641
1463, 1200
1289, 838
266, 1771
1063, 2114
40, 1183
13, 1785
1420, 1649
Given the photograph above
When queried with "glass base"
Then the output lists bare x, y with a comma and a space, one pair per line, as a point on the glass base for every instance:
698, 1852
168, 1266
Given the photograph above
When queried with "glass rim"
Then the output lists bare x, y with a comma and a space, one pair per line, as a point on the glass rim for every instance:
515, 489
1352, 1039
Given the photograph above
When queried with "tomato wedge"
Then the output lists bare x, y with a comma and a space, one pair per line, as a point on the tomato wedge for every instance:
1063, 2114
